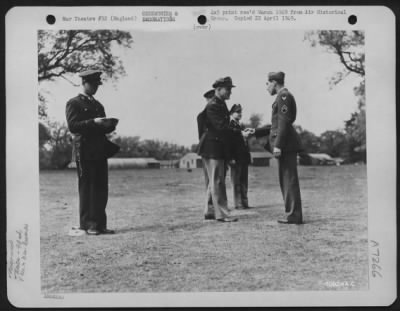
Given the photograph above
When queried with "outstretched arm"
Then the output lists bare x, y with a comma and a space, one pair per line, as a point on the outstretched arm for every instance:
262, 131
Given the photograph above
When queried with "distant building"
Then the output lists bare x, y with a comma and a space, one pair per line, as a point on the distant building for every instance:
316, 159
127, 163
338, 161
169, 163
190, 160
261, 158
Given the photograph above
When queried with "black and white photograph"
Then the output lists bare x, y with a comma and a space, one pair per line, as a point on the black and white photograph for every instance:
204, 159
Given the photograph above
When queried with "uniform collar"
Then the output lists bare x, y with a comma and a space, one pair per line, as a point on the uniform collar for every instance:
90, 98
219, 100
281, 90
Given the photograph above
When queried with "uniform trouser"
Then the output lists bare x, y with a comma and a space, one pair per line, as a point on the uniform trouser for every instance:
289, 182
93, 193
209, 209
215, 170
240, 181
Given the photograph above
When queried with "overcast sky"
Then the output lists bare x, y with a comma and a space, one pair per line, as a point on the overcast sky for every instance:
167, 74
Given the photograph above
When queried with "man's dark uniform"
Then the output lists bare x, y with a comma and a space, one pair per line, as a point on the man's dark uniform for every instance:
216, 143
241, 155
201, 126
283, 136
215, 149
89, 152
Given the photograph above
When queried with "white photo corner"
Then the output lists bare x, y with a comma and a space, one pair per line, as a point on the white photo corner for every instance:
201, 156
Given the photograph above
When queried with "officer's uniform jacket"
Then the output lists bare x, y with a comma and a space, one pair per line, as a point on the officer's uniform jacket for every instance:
201, 123
89, 140
240, 147
217, 139
282, 133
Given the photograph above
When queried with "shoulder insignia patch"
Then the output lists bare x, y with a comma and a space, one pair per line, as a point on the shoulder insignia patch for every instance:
284, 109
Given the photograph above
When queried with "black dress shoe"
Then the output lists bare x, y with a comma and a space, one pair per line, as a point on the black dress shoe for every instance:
209, 217
92, 232
107, 231
227, 219
289, 222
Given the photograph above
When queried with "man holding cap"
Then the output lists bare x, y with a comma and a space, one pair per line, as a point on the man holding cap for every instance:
85, 121
215, 148
286, 144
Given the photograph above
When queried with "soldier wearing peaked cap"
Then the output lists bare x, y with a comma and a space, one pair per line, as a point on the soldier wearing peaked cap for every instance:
241, 154
215, 150
201, 126
209, 94
92, 76
90, 151
224, 82
286, 144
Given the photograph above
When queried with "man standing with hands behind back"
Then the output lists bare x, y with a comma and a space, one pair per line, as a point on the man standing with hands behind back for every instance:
209, 213
85, 118
286, 144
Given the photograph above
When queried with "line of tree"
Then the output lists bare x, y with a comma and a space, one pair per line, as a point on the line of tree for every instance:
350, 49
55, 147
63, 53
336, 143
133, 147
340, 143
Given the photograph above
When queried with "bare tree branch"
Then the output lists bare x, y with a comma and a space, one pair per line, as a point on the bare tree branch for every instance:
346, 64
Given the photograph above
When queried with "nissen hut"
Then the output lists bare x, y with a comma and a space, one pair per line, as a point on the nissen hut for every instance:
128, 163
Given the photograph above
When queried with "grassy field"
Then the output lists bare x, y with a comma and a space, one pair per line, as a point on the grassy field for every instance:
163, 243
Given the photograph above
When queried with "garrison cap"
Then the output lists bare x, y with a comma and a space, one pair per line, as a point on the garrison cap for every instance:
277, 76
209, 94
223, 82
235, 108
92, 76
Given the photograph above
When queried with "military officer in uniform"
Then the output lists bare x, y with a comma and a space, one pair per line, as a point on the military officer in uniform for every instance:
241, 154
215, 148
209, 95
85, 121
209, 207
201, 118
286, 144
